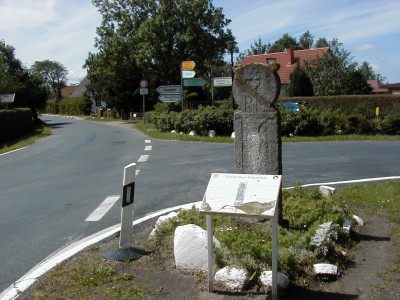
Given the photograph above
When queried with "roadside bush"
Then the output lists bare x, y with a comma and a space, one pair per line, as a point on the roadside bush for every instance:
332, 121
15, 123
358, 124
75, 106
391, 124
201, 120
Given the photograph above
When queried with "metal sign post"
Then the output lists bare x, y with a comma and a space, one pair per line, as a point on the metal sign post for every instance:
144, 91
125, 251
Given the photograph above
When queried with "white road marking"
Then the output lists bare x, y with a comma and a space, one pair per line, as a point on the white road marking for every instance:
143, 158
12, 151
148, 148
102, 209
147, 141
137, 172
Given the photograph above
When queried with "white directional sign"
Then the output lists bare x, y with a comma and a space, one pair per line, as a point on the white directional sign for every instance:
170, 98
188, 74
222, 81
144, 91
194, 81
7, 98
169, 89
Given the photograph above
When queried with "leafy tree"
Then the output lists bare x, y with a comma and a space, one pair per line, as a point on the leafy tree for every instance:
53, 73
368, 72
328, 72
321, 43
283, 43
306, 40
355, 83
30, 90
150, 39
300, 84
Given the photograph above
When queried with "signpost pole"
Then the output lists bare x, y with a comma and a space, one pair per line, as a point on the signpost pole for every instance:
210, 253
143, 110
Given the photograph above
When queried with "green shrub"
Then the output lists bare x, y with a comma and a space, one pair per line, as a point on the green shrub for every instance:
15, 123
75, 106
201, 120
391, 124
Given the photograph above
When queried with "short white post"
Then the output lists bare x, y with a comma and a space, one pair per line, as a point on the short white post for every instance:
125, 251
128, 193
210, 235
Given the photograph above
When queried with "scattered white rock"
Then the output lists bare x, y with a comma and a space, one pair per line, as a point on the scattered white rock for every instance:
266, 280
181, 133
192, 132
160, 221
190, 248
211, 133
231, 279
326, 191
359, 221
325, 270
173, 131
233, 135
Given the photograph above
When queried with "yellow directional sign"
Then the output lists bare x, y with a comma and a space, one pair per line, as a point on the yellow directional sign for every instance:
188, 65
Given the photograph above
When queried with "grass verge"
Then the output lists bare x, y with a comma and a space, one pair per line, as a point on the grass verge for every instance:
150, 130
39, 132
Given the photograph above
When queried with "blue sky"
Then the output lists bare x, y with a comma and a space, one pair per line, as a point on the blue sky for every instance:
65, 30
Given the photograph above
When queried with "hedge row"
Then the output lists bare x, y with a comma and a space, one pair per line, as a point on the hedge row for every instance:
353, 104
71, 106
202, 120
15, 123
319, 122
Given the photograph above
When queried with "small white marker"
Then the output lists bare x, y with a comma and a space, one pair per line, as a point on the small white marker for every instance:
148, 148
143, 158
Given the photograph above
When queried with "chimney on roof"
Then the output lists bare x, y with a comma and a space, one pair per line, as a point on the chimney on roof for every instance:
291, 56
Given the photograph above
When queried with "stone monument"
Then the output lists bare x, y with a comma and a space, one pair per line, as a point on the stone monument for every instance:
258, 144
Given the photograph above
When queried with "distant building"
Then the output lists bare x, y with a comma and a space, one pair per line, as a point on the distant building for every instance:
393, 88
288, 61
377, 87
75, 91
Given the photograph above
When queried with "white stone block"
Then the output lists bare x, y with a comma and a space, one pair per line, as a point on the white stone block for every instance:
211, 133
359, 221
190, 248
192, 132
325, 269
266, 280
233, 135
326, 191
231, 279
160, 221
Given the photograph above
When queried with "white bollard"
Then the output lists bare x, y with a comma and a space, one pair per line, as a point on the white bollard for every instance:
128, 193
125, 251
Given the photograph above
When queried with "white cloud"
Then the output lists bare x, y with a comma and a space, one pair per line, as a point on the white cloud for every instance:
365, 47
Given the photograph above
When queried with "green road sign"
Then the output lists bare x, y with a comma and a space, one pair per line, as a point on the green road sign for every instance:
170, 98
194, 81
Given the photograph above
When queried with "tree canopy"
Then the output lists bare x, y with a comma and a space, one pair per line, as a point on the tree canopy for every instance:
149, 40
30, 90
53, 73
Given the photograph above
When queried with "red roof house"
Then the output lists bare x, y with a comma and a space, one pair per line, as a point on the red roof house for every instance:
288, 60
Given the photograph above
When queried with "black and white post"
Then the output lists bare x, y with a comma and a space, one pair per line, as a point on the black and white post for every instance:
125, 250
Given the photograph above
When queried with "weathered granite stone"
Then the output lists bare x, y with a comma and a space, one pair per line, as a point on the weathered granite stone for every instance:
258, 145
231, 279
190, 248
281, 279
326, 191
325, 270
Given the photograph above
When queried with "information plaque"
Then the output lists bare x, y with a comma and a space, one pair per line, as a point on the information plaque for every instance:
247, 195
242, 194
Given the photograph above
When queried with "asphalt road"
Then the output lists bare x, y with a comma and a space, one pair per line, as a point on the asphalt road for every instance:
49, 188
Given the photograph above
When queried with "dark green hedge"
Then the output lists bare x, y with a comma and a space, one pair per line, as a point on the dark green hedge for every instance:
353, 104
15, 123
72, 106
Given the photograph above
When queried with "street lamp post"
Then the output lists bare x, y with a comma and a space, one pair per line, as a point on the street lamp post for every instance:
231, 45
